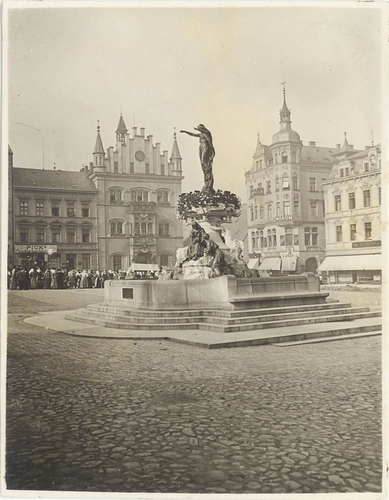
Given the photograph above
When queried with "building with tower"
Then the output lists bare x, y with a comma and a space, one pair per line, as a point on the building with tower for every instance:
138, 186
285, 209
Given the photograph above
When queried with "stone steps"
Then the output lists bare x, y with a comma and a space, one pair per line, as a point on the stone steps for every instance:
179, 322
345, 336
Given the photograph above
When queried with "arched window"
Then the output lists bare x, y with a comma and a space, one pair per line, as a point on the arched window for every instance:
269, 238
257, 241
116, 228
117, 262
315, 236
115, 196
253, 242
277, 183
274, 236
163, 198
261, 239
307, 236
163, 229
139, 195
284, 157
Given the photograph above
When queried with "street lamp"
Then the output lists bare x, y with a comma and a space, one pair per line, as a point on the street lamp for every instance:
43, 140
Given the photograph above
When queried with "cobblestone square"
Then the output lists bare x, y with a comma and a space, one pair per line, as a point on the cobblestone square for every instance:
105, 415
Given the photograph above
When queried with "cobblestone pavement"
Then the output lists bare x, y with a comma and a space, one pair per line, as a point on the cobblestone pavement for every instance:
90, 414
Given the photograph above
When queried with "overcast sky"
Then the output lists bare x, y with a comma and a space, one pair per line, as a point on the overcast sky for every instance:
178, 67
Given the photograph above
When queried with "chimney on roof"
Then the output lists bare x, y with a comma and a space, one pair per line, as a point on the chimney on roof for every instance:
312, 143
338, 146
134, 130
142, 132
91, 165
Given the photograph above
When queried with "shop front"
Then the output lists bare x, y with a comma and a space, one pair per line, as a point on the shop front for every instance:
43, 256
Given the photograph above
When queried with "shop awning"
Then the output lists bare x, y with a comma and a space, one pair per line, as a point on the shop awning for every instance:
352, 263
253, 264
289, 263
271, 264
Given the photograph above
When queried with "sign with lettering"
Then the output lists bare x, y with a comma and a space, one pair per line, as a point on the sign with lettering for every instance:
366, 244
35, 248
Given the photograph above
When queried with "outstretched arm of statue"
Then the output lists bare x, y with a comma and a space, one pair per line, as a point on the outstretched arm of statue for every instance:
189, 133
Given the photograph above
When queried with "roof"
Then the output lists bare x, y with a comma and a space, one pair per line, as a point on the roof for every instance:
121, 125
315, 154
175, 151
364, 152
99, 149
49, 179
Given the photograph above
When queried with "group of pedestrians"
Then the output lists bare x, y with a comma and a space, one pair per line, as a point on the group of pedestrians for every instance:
22, 278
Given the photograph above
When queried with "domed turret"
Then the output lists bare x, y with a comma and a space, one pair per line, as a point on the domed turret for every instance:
285, 134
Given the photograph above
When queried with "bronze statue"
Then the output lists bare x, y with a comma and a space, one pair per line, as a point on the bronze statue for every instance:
207, 154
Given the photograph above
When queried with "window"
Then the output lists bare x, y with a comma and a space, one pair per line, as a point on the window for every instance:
251, 214
70, 235
70, 209
40, 234
268, 187
86, 260
164, 260
346, 171
353, 232
275, 158
116, 228
289, 236
260, 164
269, 238
137, 229
274, 237
55, 208
261, 239
55, 234
339, 235
312, 184
85, 235
162, 169
295, 183
255, 212
315, 236
150, 228
253, 241
85, 210
115, 197
366, 167
351, 201
286, 208
277, 183
296, 207
338, 203
115, 167
313, 208
307, 236
367, 230
164, 229
285, 182
24, 234
278, 209
117, 262
139, 196
23, 208
143, 228
39, 208
163, 198
341, 171
366, 198
261, 211
284, 158
269, 212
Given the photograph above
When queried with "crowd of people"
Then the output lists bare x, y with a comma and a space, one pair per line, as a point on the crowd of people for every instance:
22, 278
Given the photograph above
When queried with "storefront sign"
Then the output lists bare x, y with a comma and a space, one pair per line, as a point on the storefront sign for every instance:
364, 244
35, 248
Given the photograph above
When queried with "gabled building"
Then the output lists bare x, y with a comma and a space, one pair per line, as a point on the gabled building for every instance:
285, 209
353, 217
138, 186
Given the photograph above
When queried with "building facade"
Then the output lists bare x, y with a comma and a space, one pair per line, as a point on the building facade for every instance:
285, 209
55, 219
353, 217
138, 186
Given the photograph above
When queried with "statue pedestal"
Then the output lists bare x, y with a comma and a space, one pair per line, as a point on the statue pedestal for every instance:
195, 270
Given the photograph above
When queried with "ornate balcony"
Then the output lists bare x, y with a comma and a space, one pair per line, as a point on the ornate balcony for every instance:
137, 207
